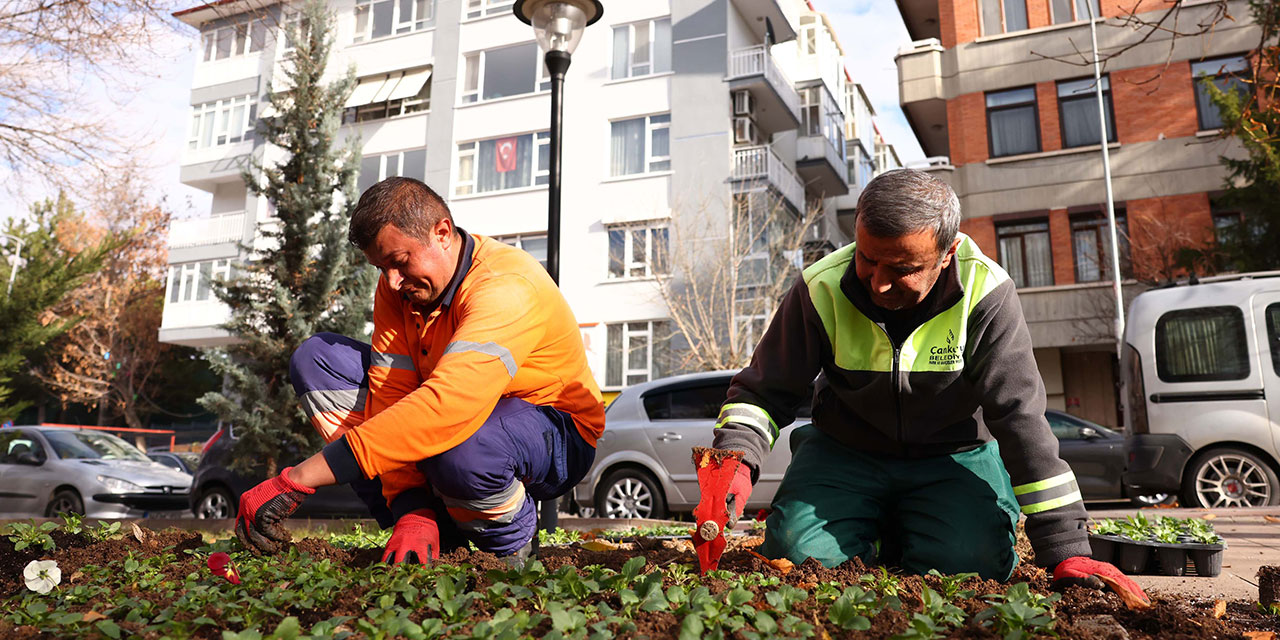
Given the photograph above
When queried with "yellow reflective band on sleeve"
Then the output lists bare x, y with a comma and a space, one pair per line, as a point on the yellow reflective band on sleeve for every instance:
751, 416
1070, 498
1041, 485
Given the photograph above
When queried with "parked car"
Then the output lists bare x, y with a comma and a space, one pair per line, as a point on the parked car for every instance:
644, 467
217, 489
1201, 376
50, 470
184, 461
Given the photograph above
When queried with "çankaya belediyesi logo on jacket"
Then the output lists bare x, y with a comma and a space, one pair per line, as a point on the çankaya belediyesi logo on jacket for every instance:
945, 355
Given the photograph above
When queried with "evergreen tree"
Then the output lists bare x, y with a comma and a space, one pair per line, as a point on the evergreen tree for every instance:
1253, 182
310, 279
53, 263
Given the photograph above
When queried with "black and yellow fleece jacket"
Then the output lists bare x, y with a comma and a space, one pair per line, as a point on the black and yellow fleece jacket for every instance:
964, 375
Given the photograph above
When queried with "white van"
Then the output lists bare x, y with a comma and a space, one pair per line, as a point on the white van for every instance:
1202, 383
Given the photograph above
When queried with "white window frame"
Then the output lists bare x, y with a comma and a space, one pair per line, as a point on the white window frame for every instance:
399, 25
477, 9
390, 108
1075, 12
399, 156
185, 280
632, 62
807, 36
246, 38
638, 267
470, 151
475, 61
649, 159
628, 334
218, 117
1004, 28
519, 240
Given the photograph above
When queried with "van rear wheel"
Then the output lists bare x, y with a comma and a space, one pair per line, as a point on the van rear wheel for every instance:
1229, 477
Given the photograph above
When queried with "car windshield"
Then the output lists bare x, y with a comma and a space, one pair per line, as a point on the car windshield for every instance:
88, 445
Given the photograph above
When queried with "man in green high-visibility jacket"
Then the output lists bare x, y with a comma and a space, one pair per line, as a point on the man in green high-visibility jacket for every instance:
929, 435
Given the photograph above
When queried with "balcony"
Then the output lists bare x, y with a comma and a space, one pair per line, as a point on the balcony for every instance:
921, 18
920, 92
757, 167
777, 104
782, 15
195, 232
821, 166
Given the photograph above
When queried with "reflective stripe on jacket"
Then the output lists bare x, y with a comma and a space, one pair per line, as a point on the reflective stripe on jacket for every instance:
965, 375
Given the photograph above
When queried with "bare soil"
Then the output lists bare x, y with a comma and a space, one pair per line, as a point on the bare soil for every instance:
1082, 613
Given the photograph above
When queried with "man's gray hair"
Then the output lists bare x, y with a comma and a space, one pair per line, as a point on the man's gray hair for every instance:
905, 201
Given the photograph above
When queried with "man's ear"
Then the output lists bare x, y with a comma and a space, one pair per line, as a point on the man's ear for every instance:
946, 259
443, 233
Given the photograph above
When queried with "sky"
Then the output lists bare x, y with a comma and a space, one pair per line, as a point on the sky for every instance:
871, 32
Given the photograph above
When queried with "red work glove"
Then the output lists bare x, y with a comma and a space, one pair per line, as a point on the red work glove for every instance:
736, 499
1087, 572
263, 509
415, 539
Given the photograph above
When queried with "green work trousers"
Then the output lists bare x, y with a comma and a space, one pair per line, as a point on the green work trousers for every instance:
954, 513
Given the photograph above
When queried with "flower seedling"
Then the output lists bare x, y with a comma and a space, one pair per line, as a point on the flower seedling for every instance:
1018, 613
221, 565
24, 535
42, 576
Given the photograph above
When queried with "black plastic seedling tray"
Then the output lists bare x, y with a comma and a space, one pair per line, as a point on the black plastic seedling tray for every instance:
1138, 557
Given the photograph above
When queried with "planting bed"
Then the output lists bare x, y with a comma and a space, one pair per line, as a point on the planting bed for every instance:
141, 583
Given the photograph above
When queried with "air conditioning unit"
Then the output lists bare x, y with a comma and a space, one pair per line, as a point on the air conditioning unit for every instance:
745, 131
743, 103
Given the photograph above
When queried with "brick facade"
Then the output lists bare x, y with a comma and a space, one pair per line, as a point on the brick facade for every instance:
1159, 227
967, 128
960, 22
1047, 105
1152, 109
1064, 271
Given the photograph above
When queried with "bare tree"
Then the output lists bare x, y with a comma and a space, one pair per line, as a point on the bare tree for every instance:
57, 57
729, 268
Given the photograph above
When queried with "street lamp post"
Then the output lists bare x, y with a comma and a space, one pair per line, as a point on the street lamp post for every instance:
558, 26
15, 261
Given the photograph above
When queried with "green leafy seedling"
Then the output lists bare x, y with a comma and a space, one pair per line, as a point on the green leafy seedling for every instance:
24, 535
1018, 613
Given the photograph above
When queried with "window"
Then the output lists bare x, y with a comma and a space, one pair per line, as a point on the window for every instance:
640, 145
861, 167
1228, 74
807, 37
381, 18
637, 352
481, 8
638, 252
191, 281
1078, 112
1013, 127
503, 163
694, 403
1201, 345
1090, 238
642, 48
227, 121
1273, 334
15, 443
1025, 253
234, 40
1003, 16
534, 245
387, 96
811, 111
1072, 10
500, 73
408, 164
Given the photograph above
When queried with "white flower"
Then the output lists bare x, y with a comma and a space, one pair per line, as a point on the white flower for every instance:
42, 575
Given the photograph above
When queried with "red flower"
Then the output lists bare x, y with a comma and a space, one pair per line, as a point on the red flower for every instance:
220, 564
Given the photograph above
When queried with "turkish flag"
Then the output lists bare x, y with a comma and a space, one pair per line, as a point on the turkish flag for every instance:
505, 158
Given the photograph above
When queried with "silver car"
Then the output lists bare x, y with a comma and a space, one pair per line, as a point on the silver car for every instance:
49, 470
644, 461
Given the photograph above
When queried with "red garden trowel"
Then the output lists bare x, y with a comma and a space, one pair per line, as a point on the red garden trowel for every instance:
716, 470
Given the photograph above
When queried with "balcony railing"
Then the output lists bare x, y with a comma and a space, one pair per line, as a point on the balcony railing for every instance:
756, 60
194, 232
761, 163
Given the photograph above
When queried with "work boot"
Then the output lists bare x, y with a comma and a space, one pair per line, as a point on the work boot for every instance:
521, 556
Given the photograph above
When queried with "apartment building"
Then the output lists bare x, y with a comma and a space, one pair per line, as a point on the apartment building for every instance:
672, 107
1007, 118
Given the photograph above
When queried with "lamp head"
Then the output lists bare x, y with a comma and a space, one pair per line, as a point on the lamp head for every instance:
558, 24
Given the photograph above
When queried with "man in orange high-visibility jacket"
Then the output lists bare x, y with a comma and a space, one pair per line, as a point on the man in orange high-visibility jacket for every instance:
474, 400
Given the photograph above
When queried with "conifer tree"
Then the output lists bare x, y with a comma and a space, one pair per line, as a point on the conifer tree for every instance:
309, 279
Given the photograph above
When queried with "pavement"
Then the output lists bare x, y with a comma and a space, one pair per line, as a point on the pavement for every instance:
1252, 541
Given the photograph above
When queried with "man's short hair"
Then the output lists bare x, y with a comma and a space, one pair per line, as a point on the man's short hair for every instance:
905, 201
410, 205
